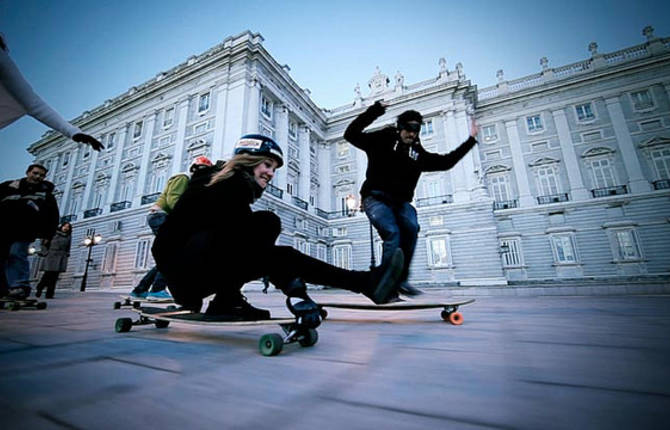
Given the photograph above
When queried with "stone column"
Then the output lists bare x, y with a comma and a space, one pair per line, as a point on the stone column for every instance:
254, 108
149, 122
116, 168
89, 181
520, 172
305, 176
577, 189
361, 167
68, 181
472, 183
458, 174
221, 95
281, 132
182, 116
636, 180
323, 157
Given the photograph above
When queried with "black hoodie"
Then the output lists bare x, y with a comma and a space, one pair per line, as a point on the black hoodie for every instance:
27, 211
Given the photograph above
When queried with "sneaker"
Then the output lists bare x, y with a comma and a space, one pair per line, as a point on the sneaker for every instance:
407, 289
385, 280
136, 295
239, 310
19, 293
159, 296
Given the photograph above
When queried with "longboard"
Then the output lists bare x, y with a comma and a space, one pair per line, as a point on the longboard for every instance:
16, 304
136, 302
449, 308
268, 345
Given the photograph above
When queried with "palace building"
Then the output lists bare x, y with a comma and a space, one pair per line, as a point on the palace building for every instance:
570, 180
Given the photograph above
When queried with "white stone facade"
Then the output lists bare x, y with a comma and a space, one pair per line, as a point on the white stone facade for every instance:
571, 178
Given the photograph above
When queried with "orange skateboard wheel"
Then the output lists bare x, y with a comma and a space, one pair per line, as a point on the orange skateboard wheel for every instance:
456, 318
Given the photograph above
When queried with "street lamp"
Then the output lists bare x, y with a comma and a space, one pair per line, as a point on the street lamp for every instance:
350, 201
89, 241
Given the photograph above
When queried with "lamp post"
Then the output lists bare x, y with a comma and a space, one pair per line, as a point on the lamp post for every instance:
89, 241
352, 205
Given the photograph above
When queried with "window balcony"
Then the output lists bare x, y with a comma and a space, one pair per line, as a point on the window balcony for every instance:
662, 184
299, 202
506, 204
609, 191
321, 213
150, 198
92, 212
277, 192
554, 198
68, 218
432, 201
118, 206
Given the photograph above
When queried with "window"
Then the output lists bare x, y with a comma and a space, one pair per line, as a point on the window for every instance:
65, 160
266, 107
142, 254
427, 128
603, 175
342, 256
642, 100
168, 117
343, 169
564, 248
301, 245
547, 181
512, 254
289, 188
293, 129
584, 112
339, 231
109, 258
438, 252
203, 103
75, 204
432, 187
534, 123
137, 130
661, 160
342, 149
293, 152
490, 133
500, 188
158, 182
321, 252
127, 191
98, 198
86, 153
111, 140
627, 245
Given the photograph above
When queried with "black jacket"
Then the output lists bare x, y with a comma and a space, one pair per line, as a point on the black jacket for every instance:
222, 210
393, 167
27, 211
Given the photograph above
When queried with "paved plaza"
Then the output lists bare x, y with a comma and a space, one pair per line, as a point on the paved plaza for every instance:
544, 362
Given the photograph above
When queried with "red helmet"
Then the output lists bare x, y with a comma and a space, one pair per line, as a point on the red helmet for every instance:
200, 161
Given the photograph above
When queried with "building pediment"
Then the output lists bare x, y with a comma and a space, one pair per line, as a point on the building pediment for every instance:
655, 141
344, 182
497, 168
543, 161
598, 151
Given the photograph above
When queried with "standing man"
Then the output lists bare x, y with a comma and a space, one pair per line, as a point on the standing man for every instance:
28, 210
201, 171
395, 162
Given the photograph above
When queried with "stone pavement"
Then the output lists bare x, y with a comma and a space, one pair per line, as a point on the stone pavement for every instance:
551, 362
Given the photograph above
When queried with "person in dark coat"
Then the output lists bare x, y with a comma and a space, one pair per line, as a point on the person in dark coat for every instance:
28, 210
212, 243
396, 160
55, 260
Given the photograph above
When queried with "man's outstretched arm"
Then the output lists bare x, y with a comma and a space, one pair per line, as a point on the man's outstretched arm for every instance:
354, 133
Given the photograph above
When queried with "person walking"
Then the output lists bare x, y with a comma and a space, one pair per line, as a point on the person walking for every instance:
213, 243
55, 260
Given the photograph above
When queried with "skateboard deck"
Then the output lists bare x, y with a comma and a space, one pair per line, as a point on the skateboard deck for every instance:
269, 344
449, 307
136, 302
16, 304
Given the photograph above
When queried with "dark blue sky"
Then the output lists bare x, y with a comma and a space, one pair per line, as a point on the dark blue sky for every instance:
77, 54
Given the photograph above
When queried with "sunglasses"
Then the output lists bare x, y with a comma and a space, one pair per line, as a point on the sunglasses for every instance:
410, 126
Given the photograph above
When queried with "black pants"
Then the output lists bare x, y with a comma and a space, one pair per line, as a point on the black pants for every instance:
48, 281
209, 264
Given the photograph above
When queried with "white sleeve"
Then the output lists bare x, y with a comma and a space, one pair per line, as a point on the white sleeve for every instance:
16, 93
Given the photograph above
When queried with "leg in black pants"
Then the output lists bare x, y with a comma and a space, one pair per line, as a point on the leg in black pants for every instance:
48, 281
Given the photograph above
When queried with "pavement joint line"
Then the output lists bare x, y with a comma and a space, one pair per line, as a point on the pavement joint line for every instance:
593, 387
57, 421
418, 413
594, 345
134, 363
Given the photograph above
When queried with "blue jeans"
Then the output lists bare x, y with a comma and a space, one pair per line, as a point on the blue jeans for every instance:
153, 276
16, 265
397, 225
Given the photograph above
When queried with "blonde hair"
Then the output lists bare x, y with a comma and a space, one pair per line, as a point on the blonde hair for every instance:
237, 163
